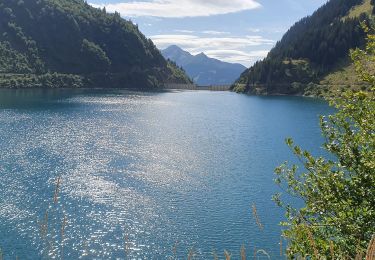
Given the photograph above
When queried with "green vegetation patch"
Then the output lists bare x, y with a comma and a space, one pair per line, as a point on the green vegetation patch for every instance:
366, 7
337, 220
48, 80
70, 37
311, 50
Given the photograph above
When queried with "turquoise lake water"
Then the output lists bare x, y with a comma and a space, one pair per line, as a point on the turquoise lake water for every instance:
145, 175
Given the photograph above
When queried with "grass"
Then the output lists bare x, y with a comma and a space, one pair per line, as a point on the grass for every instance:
50, 250
370, 254
356, 11
53, 225
256, 217
239, 88
342, 78
297, 62
344, 74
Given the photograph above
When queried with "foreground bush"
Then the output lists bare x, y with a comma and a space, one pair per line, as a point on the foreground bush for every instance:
338, 219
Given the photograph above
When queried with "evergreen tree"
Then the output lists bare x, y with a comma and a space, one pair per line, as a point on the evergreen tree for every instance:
70, 37
317, 44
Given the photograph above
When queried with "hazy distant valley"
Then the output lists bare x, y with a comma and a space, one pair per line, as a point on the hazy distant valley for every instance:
204, 70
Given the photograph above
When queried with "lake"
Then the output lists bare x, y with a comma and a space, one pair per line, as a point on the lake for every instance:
145, 175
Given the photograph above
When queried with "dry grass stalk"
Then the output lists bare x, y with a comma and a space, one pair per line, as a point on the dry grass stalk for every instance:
257, 219
360, 252
55, 196
191, 254
227, 255
332, 249
174, 250
359, 256
255, 252
126, 246
62, 235
243, 252
215, 255
46, 222
281, 246
44, 226
312, 241
50, 247
370, 254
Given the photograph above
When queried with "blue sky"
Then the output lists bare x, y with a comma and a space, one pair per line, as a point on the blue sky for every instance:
240, 31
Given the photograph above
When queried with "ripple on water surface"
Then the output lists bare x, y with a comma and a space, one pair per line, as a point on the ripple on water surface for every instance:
143, 175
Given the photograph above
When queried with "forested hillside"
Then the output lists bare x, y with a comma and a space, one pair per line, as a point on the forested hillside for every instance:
311, 50
68, 43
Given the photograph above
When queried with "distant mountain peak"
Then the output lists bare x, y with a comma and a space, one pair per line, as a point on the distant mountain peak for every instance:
173, 48
203, 69
202, 55
98, 49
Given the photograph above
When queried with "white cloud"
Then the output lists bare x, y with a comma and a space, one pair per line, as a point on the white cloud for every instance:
184, 31
254, 30
180, 8
208, 32
236, 56
195, 43
215, 32
230, 49
267, 30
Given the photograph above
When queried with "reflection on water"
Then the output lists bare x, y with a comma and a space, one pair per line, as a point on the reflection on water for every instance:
143, 175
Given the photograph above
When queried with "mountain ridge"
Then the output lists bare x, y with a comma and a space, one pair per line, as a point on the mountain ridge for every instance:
203, 69
312, 49
68, 43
